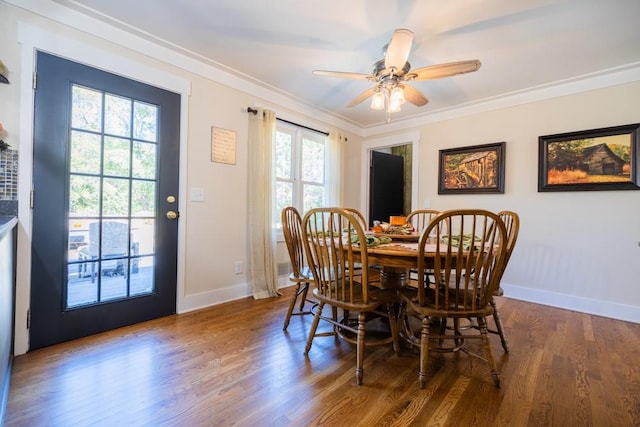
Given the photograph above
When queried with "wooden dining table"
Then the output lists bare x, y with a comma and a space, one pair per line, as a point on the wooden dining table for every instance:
397, 258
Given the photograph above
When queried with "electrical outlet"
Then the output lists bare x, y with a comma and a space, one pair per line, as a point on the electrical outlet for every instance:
238, 267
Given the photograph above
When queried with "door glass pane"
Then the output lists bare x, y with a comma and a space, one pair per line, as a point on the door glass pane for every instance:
85, 152
112, 193
115, 197
142, 275
114, 283
142, 236
116, 156
143, 194
86, 109
84, 195
117, 115
145, 121
144, 160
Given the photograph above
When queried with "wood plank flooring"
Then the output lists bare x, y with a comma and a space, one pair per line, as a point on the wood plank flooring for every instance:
233, 365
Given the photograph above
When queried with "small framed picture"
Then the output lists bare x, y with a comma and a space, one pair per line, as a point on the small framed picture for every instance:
596, 159
223, 145
474, 169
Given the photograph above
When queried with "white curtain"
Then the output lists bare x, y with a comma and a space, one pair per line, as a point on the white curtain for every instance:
333, 168
262, 243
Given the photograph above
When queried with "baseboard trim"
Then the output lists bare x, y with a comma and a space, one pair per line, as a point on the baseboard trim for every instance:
613, 310
220, 296
214, 297
626, 312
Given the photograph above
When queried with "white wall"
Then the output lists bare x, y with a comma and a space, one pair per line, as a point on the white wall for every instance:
577, 250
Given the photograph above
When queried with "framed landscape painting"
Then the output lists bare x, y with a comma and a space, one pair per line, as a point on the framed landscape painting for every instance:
596, 159
474, 169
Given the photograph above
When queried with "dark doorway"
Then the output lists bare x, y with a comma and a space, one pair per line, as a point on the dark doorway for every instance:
106, 166
386, 186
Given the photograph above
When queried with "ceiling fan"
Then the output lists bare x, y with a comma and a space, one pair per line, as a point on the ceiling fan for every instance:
391, 74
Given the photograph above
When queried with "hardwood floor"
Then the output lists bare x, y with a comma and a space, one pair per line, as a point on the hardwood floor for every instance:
233, 365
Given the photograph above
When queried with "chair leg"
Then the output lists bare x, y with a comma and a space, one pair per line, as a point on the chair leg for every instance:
498, 321
424, 352
360, 348
334, 316
314, 327
456, 332
303, 294
301, 288
482, 323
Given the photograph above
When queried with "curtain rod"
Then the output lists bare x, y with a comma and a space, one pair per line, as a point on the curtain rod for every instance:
254, 112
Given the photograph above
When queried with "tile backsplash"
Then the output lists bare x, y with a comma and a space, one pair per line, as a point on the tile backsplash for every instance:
8, 182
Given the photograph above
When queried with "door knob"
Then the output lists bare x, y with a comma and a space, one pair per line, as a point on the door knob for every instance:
172, 215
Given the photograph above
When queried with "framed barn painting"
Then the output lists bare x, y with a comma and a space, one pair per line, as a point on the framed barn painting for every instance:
475, 169
596, 159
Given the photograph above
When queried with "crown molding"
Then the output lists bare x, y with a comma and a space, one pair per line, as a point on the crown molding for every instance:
610, 77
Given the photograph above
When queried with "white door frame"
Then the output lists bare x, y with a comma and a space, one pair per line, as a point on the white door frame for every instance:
31, 39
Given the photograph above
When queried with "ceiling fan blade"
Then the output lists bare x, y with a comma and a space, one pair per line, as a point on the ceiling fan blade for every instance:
444, 70
364, 95
342, 74
398, 49
414, 96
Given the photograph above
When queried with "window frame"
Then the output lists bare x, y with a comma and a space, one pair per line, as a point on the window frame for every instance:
298, 135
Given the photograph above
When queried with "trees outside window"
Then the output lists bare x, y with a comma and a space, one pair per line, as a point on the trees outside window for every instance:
299, 169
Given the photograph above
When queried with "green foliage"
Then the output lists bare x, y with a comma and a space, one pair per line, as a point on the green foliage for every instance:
622, 151
564, 154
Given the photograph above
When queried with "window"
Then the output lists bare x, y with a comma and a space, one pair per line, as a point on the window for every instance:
299, 168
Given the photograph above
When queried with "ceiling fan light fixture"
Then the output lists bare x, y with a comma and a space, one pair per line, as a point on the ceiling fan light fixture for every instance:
397, 96
377, 101
394, 107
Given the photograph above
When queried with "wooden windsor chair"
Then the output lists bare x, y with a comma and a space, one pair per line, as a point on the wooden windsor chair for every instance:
336, 240
476, 241
300, 275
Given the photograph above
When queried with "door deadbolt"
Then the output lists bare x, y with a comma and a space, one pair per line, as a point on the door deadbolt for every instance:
171, 199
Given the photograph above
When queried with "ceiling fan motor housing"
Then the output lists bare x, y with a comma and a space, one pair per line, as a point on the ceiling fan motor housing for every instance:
381, 72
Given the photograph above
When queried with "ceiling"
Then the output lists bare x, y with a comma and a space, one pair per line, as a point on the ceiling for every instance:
277, 44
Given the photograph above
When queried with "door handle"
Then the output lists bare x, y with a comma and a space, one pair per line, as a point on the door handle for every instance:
172, 215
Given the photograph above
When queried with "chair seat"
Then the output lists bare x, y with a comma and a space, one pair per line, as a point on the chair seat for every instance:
355, 301
410, 296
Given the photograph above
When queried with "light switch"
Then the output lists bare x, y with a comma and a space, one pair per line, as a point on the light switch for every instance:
196, 194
